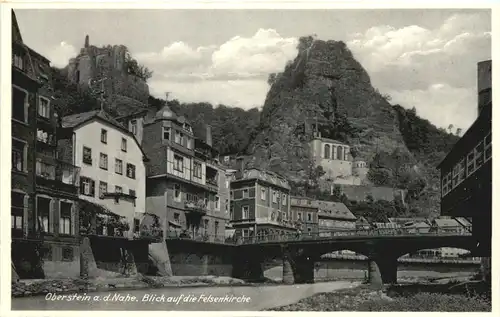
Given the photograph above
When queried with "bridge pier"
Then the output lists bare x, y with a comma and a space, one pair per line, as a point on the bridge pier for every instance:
248, 268
304, 270
382, 270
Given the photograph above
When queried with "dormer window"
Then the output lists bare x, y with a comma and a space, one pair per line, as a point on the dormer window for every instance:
133, 127
177, 137
166, 133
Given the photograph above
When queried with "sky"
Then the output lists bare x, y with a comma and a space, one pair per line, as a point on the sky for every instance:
421, 58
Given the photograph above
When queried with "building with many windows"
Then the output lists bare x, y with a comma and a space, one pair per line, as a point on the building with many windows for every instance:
260, 204
112, 165
466, 172
304, 211
43, 188
183, 178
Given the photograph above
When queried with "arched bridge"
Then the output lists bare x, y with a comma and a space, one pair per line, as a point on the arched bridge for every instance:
382, 247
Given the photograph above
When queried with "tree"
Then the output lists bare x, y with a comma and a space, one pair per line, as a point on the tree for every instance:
271, 79
450, 127
459, 132
134, 68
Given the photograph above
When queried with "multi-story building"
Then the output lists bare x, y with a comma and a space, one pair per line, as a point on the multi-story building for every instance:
260, 204
183, 178
466, 172
334, 216
305, 212
44, 188
112, 166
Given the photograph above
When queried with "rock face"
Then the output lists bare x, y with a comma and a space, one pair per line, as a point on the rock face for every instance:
322, 84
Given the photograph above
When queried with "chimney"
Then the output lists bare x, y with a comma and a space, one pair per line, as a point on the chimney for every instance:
483, 85
209, 135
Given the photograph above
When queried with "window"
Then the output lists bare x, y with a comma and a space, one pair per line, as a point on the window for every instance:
87, 155
124, 145
263, 193
245, 193
177, 217
206, 224
133, 127
217, 202
231, 194
327, 151
118, 166
47, 171
177, 137
103, 161
299, 216
470, 163
103, 189
67, 254
177, 192
339, 153
166, 133
137, 225
65, 218
245, 212
346, 154
275, 197
446, 184
284, 199
189, 143
17, 210
487, 147
182, 138
43, 107
18, 163
18, 61
178, 163
245, 232
132, 193
226, 206
309, 217
87, 187
197, 169
231, 213
118, 189
479, 155
216, 225
104, 136
458, 173
130, 170
19, 104
43, 210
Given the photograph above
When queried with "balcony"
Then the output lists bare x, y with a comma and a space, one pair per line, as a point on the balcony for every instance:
196, 207
45, 140
212, 181
57, 175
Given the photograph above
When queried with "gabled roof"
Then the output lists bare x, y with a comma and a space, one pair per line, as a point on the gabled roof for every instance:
446, 222
329, 209
76, 120
16, 32
264, 176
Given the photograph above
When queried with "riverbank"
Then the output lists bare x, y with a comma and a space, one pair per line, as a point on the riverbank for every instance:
26, 288
452, 297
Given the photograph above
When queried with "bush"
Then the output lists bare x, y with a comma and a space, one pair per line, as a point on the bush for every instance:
427, 302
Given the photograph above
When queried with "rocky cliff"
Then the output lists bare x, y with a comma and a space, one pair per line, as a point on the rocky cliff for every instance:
324, 84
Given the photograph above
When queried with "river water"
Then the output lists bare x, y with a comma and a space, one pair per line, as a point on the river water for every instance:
253, 297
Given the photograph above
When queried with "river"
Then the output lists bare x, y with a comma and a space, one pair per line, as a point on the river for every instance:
256, 298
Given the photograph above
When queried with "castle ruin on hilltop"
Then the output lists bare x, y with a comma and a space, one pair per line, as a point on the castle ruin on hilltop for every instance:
124, 92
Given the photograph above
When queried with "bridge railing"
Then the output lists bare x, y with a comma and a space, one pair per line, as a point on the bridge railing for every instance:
321, 235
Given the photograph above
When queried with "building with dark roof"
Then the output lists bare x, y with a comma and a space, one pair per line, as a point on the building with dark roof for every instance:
260, 204
466, 171
44, 188
186, 186
112, 167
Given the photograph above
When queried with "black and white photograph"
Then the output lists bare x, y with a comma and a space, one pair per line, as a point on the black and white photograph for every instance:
239, 159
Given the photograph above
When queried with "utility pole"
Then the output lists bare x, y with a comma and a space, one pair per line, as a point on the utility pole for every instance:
100, 91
